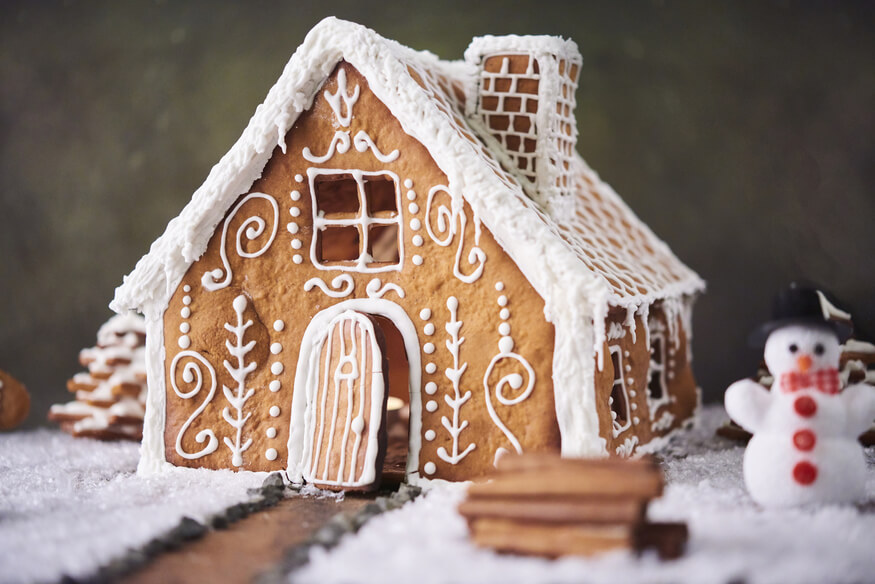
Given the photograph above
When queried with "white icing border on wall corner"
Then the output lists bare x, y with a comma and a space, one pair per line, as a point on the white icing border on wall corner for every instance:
152, 459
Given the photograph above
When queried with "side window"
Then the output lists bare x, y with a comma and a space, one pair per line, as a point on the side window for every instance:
356, 221
619, 399
657, 393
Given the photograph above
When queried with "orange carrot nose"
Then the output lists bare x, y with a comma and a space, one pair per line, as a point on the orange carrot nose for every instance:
803, 362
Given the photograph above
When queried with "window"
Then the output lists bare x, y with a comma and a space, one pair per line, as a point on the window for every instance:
356, 222
657, 395
619, 399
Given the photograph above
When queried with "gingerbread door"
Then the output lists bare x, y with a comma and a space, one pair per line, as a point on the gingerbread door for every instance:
346, 405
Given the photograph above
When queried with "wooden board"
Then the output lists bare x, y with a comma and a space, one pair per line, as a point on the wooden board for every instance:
248, 547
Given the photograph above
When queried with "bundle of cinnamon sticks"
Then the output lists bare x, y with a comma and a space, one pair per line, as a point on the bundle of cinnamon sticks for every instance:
541, 504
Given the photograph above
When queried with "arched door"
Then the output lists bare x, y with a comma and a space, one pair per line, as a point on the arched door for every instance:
345, 441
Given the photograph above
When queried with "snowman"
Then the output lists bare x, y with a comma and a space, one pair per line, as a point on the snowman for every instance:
804, 448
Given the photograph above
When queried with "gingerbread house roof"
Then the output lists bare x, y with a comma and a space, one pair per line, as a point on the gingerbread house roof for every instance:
582, 256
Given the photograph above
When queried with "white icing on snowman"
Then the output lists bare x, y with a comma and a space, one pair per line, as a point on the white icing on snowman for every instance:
804, 449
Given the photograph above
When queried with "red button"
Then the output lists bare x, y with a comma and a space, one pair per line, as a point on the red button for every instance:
805, 406
804, 440
805, 473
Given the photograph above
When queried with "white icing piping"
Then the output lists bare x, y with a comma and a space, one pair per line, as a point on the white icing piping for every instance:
342, 284
318, 324
350, 368
455, 426
239, 372
374, 289
349, 99
192, 373
253, 227
365, 262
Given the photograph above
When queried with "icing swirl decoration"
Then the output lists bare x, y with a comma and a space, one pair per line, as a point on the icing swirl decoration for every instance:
339, 144
192, 373
512, 388
252, 228
442, 229
363, 141
342, 286
374, 289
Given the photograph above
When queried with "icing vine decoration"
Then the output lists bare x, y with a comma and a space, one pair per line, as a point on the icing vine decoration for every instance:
513, 381
375, 291
342, 284
191, 373
457, 400
253, 228
239, 372
449, 221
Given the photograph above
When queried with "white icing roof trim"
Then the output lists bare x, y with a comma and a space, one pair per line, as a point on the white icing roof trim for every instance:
574, 296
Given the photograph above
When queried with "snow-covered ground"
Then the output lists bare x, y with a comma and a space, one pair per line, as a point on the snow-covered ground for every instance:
731, 539
69, 506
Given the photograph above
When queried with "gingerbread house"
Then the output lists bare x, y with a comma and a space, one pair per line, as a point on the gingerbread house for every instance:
391, 224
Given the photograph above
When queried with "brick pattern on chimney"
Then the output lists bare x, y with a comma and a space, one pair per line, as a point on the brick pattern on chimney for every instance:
509, 106
510, 99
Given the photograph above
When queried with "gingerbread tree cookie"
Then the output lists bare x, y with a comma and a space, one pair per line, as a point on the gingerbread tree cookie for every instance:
14, 401
111, 395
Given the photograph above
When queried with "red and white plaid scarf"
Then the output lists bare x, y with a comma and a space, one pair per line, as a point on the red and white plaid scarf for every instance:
824, 380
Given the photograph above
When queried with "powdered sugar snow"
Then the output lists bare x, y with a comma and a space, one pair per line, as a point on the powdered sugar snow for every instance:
69, 506
731, 539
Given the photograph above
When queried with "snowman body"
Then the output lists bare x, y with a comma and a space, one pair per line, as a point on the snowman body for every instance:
804, 448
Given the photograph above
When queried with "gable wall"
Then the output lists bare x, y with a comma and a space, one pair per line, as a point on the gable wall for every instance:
273, 286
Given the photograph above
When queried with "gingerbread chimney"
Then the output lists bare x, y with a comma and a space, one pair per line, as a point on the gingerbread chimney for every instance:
523, 98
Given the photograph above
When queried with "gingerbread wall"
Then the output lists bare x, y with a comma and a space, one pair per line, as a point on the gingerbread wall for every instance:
649, 415
485, 301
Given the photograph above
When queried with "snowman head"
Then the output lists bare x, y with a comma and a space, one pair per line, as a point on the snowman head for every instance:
802, 348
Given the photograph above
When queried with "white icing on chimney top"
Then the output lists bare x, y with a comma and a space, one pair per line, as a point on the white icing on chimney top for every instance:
523, 103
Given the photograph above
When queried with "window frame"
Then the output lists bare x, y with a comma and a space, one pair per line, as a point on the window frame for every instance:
363, 221
657, 367
619, 377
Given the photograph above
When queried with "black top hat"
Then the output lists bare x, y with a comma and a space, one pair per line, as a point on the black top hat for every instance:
800, 304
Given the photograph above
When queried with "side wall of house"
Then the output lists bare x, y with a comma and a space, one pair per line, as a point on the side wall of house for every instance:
646, 387
485, 347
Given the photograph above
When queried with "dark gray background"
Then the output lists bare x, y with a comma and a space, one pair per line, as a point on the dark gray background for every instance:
740, 132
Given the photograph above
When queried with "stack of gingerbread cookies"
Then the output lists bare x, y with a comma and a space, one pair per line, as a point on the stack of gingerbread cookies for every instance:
541, 504
111, 395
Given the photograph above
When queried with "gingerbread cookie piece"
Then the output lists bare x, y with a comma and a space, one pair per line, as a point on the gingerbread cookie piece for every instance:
111, 395
14, 401
540, 504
